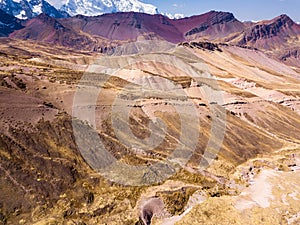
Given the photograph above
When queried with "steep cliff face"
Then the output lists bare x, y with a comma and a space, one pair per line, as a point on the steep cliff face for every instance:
279, 37
272, 33
28, 9
8, 24
213, 26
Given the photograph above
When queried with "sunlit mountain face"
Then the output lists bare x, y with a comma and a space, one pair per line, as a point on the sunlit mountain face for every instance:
95, 8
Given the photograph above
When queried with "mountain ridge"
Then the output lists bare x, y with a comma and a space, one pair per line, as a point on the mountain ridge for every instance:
280, 37
95, 8
28, 9
8, 24
270, 29
212, 25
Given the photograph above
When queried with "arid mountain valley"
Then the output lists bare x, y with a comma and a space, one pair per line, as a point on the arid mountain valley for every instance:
199, 119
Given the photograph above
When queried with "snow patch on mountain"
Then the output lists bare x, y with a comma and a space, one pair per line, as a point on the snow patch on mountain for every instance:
98, 7
27, 9
175, 16
37, 9
21, 15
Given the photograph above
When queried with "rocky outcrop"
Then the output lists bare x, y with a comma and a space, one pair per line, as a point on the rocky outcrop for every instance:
214, 18
28, 9
202, 45
277, 30
264, 31
8, 24
291, 54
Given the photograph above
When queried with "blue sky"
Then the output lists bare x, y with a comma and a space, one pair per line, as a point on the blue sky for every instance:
244, 10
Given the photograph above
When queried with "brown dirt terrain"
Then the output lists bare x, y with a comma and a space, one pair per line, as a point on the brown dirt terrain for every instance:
41, 164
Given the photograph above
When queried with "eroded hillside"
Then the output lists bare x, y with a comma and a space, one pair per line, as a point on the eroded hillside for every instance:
46, 178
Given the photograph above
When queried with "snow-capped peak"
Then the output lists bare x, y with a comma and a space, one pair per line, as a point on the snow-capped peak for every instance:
98, 7
135, 6
26, 9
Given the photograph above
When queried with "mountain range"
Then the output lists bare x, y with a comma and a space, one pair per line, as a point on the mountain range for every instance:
44, 178
95, 8
8, 24
225, 92
28, 9
279, 36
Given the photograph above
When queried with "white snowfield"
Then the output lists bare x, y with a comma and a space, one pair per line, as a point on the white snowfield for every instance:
78, 7
27, 9
98, 7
